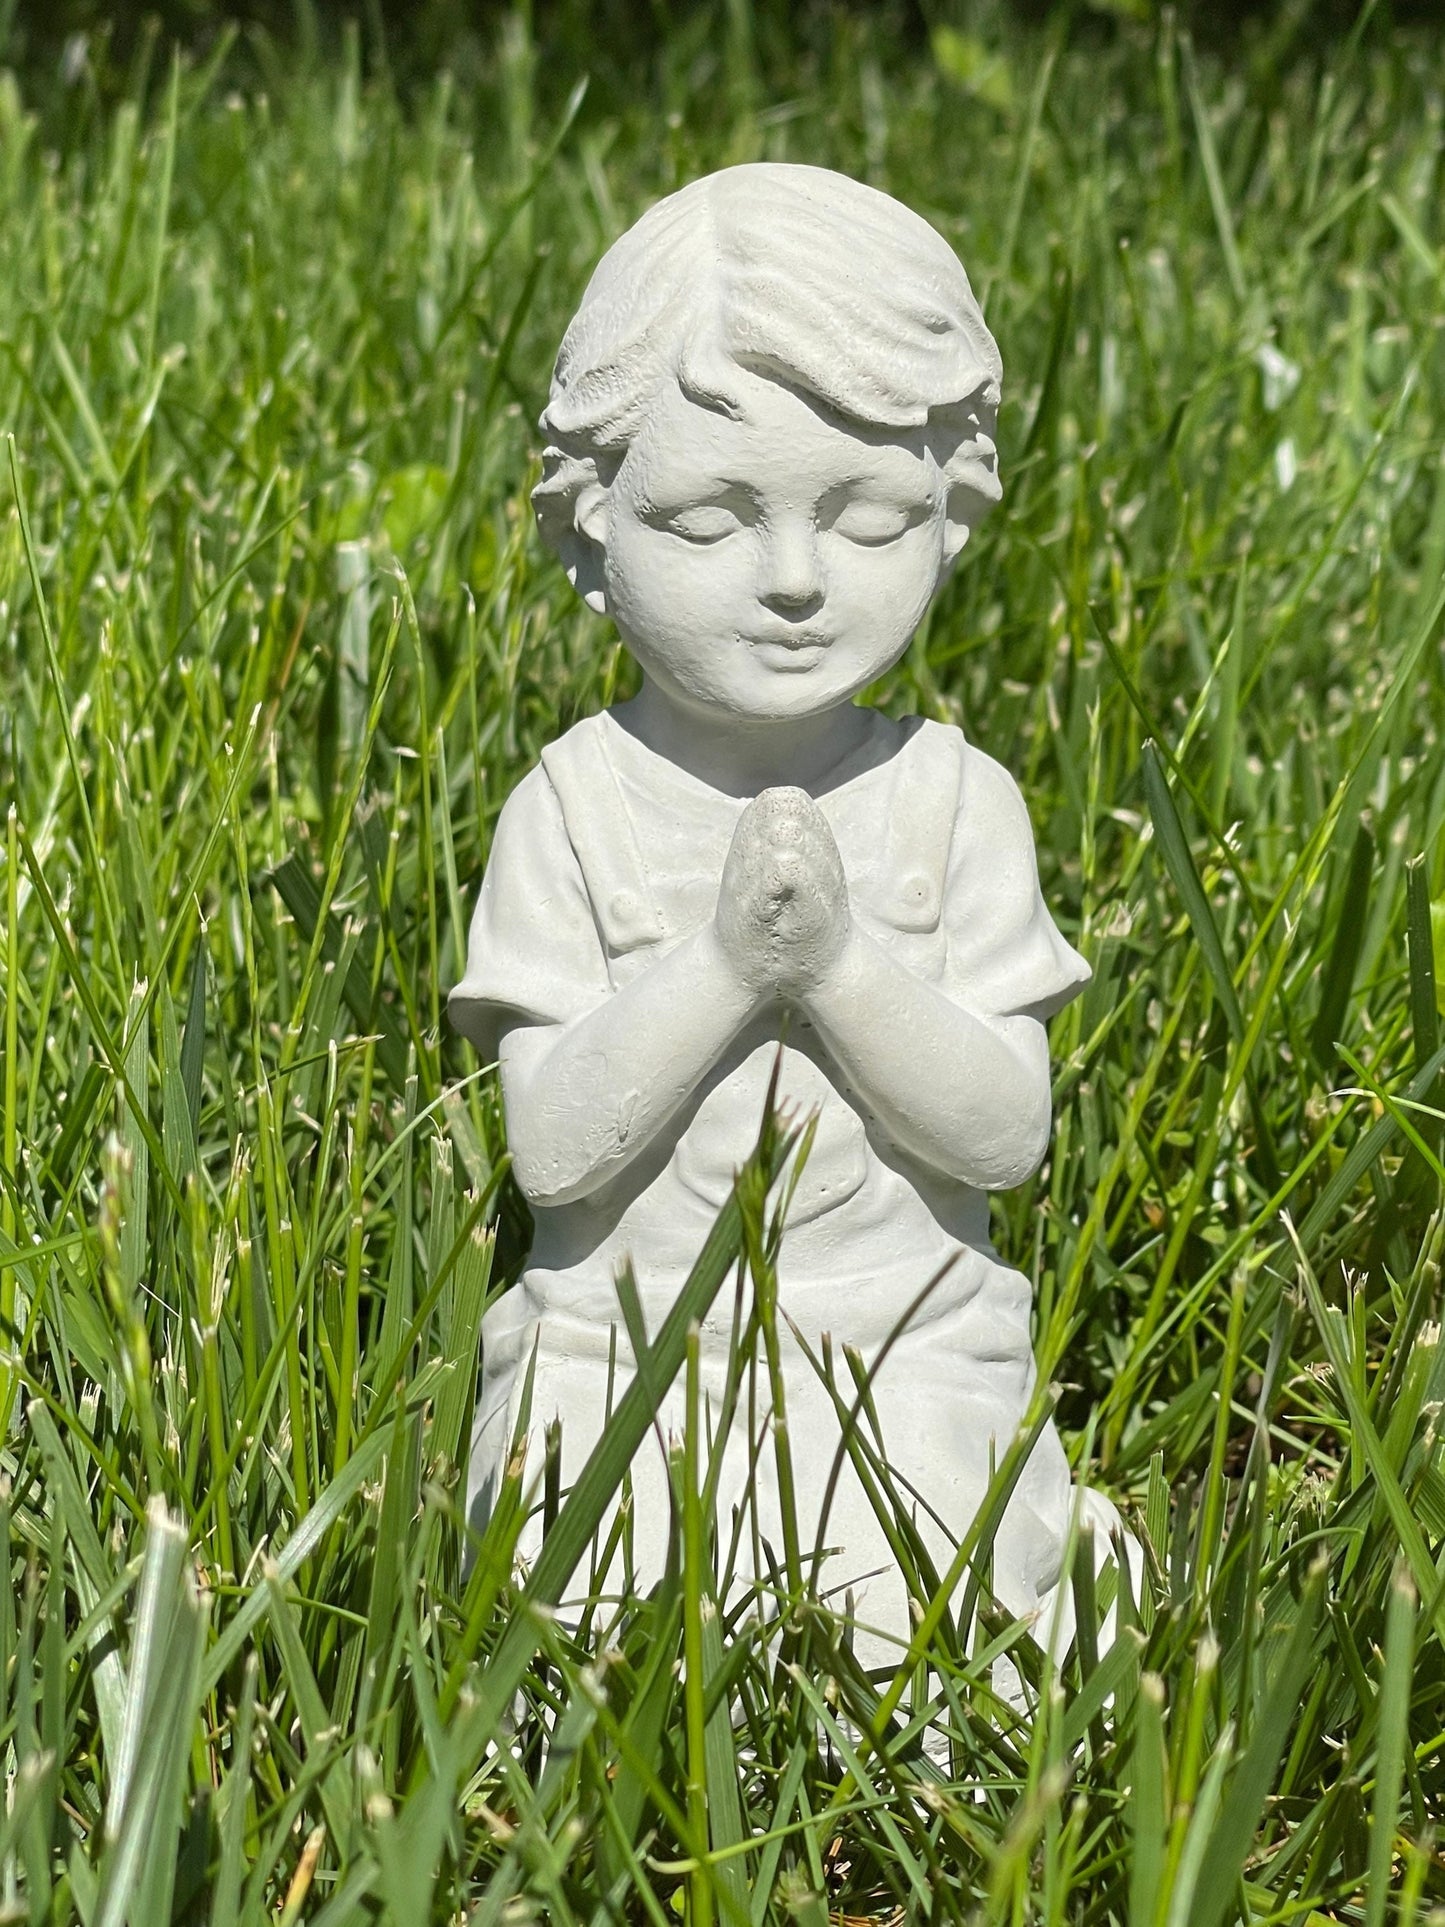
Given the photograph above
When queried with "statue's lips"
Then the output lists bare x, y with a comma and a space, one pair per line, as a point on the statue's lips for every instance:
799, 650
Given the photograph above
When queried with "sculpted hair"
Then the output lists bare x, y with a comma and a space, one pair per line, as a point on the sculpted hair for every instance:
794, 273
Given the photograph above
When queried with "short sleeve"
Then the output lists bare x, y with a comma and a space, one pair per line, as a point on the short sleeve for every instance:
1006, 956
533, 951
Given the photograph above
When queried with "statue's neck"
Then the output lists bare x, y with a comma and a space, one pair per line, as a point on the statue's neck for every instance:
744, 755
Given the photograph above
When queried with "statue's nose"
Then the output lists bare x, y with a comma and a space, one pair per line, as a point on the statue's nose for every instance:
794, 579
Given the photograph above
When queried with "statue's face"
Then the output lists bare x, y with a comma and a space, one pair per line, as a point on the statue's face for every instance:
773, 564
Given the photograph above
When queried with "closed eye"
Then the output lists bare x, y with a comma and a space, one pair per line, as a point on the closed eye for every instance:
872, 525
702, 523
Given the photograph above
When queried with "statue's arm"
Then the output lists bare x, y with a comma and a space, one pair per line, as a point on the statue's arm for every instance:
583, 1098
966, 1094
957, 1069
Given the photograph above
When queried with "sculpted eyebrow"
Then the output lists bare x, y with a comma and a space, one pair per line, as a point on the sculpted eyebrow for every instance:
664, 496
911, 484
898, 465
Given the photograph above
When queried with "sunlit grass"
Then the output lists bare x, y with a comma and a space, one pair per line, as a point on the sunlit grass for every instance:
277, 639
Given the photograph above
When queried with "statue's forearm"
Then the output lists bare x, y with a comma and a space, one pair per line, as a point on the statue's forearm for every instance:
582, 1099
968, 1096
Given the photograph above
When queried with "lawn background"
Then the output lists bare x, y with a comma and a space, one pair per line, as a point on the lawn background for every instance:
276, 638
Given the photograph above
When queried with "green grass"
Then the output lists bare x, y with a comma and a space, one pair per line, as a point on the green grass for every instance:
258, 310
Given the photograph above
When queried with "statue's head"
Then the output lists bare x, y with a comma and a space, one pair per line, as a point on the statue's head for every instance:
769, 435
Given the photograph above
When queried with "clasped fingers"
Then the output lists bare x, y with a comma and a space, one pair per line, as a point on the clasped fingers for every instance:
782, 915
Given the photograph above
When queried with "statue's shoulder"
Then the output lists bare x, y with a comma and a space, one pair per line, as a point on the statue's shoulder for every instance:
582, 757
991, 802
597, 729
919, 746
929, 763
581, 770
941, 777
528, 819
564, 765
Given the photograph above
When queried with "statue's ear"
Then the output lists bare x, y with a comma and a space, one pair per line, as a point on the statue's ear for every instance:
957, 528
586, 565
973, 489
961, 437
571, 507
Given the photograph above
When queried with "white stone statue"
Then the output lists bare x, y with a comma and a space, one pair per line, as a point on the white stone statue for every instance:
768, 439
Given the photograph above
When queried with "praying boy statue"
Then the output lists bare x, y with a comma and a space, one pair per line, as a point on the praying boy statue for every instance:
768, 440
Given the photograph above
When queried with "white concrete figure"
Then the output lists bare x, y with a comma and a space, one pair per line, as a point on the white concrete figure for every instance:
769, 437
